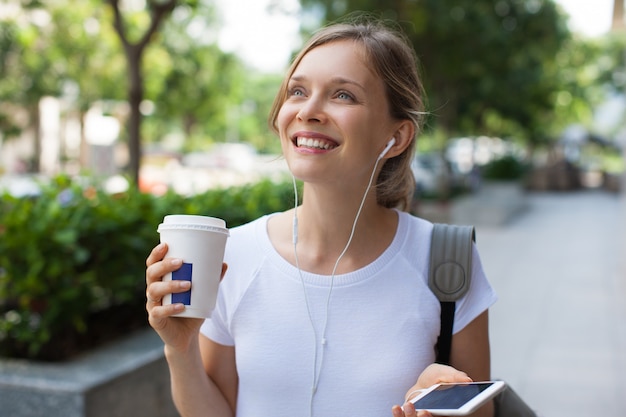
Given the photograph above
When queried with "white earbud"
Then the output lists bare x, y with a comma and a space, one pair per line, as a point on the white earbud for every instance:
391, 142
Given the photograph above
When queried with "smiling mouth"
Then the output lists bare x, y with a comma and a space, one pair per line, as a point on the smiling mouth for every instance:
314, 143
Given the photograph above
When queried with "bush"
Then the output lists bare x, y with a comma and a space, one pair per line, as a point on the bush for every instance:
506, 168
75, 251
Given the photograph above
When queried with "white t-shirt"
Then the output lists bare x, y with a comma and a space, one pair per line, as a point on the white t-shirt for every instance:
382, 322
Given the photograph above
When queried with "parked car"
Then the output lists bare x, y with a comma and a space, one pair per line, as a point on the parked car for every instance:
430, 172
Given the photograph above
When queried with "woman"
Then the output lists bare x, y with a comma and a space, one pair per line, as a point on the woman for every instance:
325, 309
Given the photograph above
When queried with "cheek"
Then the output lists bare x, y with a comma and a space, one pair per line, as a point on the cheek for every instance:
285, 115
282, 124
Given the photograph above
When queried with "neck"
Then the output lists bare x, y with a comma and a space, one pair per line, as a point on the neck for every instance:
334, 225
338, 228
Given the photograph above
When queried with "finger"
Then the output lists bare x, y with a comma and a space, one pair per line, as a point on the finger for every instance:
455, 375
437, 373
409, 410
153, 301
396, 411
157, 253
413, 393
157, 290
158, 314
157, 270
451, 374
224, 269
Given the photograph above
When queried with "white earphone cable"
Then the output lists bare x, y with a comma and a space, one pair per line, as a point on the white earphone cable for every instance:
317, 369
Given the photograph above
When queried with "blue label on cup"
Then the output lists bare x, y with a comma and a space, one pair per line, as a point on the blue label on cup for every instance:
182, 274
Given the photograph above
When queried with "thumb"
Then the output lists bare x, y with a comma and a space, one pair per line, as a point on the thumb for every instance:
438, 373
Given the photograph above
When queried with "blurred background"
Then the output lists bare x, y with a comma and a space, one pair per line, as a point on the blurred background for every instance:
114, 113
176, 94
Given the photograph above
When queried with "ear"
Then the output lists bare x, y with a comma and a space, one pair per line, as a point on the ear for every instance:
404, 135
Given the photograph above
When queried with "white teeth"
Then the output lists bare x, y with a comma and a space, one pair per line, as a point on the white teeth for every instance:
312, 143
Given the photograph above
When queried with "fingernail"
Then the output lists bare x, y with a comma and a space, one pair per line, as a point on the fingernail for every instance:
184, 284
176, 262
179, 307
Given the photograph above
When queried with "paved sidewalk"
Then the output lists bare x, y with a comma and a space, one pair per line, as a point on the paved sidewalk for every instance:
558, 331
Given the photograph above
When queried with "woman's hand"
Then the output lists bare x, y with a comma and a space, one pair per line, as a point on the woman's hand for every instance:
176, 332
433, 374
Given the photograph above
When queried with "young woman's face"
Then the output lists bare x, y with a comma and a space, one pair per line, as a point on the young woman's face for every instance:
335, 120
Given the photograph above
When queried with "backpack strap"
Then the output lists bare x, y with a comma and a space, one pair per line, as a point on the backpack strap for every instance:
449, 276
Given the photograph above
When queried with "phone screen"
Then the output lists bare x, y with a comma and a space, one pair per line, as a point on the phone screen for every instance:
450, 396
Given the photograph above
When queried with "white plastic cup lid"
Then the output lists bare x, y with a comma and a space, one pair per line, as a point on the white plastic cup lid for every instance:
193, 222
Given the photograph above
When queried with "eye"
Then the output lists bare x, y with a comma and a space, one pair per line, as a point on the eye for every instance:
343, 95
295, 92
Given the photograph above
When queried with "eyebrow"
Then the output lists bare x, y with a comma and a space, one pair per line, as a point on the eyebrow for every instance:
334, 80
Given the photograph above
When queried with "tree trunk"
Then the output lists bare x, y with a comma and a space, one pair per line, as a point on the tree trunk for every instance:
134, 55
618, 15
35, 115
135, 96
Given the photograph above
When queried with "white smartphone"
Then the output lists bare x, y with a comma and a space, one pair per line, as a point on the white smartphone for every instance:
456, 399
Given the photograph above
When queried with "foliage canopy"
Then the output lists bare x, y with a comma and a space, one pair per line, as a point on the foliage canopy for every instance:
488, 66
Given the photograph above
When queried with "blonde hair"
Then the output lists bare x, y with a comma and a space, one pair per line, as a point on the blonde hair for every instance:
392, 58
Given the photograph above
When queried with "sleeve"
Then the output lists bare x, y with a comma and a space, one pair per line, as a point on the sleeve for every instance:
216, 327
479, 298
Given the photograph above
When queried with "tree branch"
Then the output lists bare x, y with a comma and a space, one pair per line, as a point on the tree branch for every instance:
118, 22
159, 10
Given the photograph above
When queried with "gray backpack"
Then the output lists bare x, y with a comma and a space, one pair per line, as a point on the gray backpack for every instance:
449, 278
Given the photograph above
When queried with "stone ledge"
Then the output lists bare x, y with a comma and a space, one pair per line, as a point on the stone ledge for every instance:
125, 378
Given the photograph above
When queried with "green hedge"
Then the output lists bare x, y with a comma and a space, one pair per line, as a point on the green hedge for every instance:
505, 168
74, 250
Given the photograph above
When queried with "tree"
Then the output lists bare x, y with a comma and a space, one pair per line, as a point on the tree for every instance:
29, 71
200, 83
89, 53
71, 51
488, 66
207, 94
135, 41
10, 51
57, 51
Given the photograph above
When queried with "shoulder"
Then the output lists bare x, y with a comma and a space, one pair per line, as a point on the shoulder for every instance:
246, 251
250, 227
246, 248
248, 234
413, 219
414, 231
411, 247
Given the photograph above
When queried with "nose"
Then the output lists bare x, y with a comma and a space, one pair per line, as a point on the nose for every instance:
312, 110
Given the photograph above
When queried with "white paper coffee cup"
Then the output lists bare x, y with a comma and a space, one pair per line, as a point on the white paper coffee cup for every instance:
199, 241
